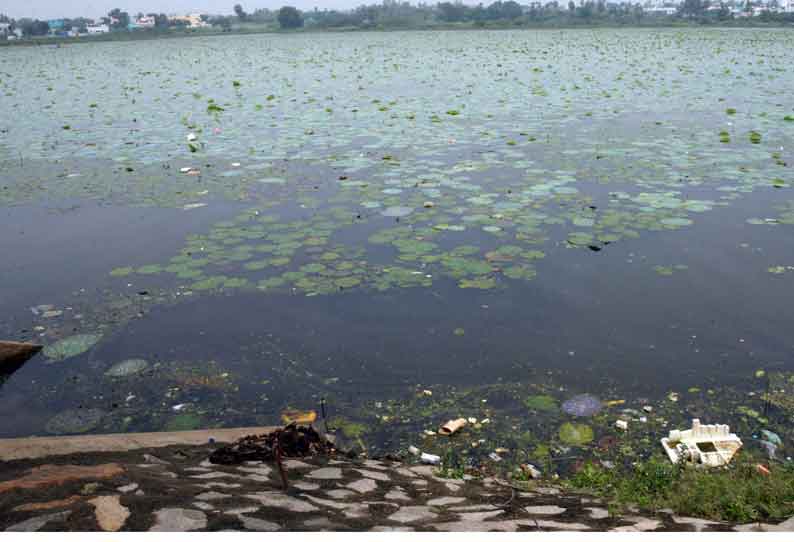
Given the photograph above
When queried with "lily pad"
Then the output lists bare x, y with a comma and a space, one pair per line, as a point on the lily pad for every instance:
127, 368
544, 403
70, 346
79, 420
575, 434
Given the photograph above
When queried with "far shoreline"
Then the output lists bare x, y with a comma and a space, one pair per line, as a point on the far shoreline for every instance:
144, 35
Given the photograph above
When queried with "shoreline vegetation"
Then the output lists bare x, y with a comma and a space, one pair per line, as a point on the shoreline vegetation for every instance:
392, 15
253, 29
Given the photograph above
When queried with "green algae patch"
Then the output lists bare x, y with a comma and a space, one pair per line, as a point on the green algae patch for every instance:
575, 434
70, 347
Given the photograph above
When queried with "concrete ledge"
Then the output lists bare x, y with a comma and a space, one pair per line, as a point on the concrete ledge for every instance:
37, 447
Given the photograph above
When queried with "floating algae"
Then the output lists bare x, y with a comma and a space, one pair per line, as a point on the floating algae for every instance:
544, 403
74, 421
575, 434
127, 368
70, 347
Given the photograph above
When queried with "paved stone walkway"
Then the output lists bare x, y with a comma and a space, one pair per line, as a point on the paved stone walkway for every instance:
177, 489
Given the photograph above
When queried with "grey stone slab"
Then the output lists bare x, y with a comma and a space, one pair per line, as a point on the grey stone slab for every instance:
277, 499
411, 514
445, 501
326, 473
36, 523
364, 485
178, 520
256, 524
545, 510
375, 475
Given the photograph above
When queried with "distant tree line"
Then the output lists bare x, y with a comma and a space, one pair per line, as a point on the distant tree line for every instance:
401, 14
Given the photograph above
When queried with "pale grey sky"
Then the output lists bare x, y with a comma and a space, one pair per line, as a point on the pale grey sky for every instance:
52, 9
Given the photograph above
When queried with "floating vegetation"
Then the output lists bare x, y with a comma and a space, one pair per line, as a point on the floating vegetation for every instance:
70, 347
74, 421
667, 270
127, 368
575, 434
545, 403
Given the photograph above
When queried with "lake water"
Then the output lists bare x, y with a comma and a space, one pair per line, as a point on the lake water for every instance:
411, 226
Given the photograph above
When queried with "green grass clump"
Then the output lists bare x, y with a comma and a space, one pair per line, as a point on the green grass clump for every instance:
450, 467
738, 493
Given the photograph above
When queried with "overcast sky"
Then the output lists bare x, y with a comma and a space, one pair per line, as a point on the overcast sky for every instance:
52, 9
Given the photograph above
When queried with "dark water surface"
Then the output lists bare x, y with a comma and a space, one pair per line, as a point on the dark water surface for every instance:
410, 233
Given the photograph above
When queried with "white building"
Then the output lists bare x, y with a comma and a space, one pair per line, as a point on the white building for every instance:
97, 29
146, 22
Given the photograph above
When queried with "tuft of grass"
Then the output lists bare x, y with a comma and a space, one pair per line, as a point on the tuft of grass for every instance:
450, 467
738, 493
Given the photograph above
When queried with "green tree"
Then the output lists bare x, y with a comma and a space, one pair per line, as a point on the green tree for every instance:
240, 12
451, 13
289, 17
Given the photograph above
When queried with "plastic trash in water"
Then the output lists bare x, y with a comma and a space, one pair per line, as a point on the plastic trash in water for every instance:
707, 445
452, 426
430, 459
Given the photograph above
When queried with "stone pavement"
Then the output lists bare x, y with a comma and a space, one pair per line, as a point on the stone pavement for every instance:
177, 489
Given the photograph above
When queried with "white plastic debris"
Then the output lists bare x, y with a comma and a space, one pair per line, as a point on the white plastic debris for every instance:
623, 425
414, 450
191, 137
430, 459
708, 445
532, 471
494, 457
